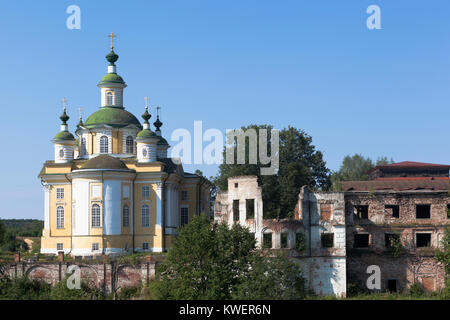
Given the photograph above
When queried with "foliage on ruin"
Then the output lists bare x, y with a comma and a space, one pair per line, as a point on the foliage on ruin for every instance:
443, 255
300, 164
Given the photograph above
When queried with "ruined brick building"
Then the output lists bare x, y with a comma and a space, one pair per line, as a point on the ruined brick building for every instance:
395, 221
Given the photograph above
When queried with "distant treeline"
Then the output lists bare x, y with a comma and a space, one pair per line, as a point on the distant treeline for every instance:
23, 227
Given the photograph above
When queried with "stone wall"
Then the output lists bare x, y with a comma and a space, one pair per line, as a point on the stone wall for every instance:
108, 277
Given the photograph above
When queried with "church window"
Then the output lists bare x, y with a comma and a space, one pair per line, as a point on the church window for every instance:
95, 216
109, 98
59, 247
83, 146
146, 192
59, 193
144, 152
129, 145
61, 153
184, 216
145, 246
103, 144
126, 216
95, 246
145, 216
60, 217
184, 195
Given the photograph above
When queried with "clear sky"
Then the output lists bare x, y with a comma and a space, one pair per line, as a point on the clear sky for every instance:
310, 64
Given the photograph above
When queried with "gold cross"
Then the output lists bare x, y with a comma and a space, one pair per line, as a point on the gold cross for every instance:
112, 36
146, 102
64, 100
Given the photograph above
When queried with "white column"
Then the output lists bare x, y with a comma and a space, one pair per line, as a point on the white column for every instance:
176, 209
158, 204
46, 207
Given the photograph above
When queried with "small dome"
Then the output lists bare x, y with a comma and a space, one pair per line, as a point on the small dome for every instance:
162, 142
116, 117
146, 133
111, 78
64, 135
104, 161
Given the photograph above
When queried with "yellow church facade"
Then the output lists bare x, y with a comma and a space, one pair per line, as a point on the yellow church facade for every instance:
111, 188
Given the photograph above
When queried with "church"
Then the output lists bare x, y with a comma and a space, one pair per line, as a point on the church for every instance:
111, 188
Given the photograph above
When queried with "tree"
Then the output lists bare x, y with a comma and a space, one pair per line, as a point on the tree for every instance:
443, 255
299, 164
211, 261
355, 168
2, 233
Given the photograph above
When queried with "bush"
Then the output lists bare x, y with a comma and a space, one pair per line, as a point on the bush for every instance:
416, 290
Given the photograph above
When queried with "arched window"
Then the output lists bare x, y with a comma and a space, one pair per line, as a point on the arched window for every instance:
103, 144
126, 216
95, 216
83, 146
109, 98
145, 216
61, 153
60, 217
129, 144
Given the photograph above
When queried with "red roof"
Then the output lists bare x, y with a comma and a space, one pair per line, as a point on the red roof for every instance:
398, 184
413, 164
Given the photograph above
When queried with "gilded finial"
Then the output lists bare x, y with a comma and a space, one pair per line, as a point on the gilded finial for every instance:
64, 117
146, 116
112, 36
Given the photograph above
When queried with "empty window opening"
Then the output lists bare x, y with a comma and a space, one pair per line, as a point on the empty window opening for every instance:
393, 210
423, 211
236, 185
448, 211
391, 285
362, 212
284, 240
267, 240
250, 208
423, 240
327, 240
361, 241
235, 210
390, 239
300, 241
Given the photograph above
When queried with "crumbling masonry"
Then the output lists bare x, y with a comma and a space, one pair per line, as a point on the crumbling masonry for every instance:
395, 221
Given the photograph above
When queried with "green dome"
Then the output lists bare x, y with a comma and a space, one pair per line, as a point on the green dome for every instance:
146, 133
116, 117
162, 142
111, 78
64, 135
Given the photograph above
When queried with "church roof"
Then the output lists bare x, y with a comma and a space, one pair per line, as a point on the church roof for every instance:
111, 78
146, 133
104, 161
113, 116
64, 135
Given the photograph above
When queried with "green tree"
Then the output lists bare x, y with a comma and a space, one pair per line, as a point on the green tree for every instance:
211, 261
299, 164
355, 168
2, 233
443, 255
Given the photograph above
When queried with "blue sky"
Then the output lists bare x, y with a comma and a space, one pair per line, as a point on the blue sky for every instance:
310, 64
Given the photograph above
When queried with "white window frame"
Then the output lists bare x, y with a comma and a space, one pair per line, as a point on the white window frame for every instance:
59, 193
146, 192
59, 246
109, 98
129, 145
145, 246
96, 220
95, 246
104, 144
60, 217
145, 216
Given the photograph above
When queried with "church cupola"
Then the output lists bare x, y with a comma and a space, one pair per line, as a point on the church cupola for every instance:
146, 139
162, 145
64, 141
112, 84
